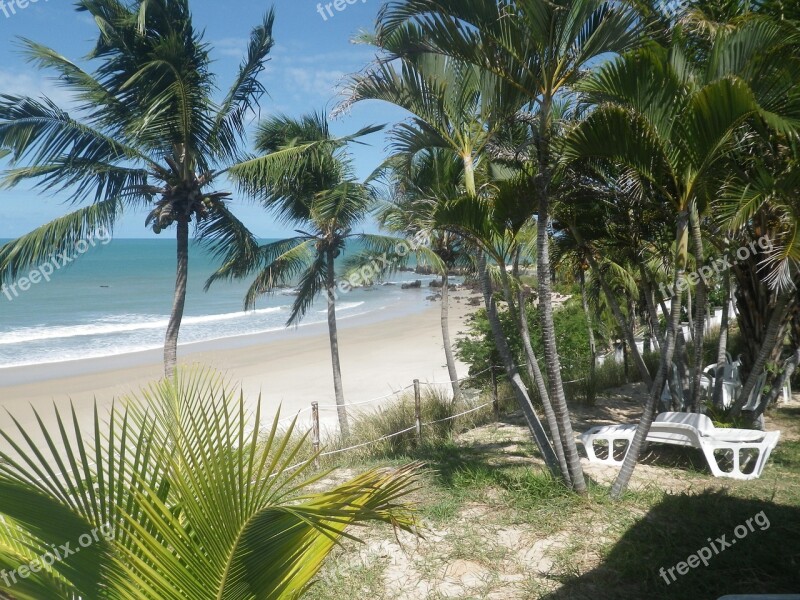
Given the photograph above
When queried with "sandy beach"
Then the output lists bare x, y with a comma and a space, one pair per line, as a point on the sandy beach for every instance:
380, 353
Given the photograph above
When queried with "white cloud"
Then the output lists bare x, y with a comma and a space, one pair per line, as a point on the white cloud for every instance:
34, 85
235, 47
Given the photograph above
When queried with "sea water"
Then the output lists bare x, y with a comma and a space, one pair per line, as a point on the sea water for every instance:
116, 299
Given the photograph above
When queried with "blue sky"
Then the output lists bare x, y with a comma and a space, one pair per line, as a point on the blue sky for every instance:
310, 58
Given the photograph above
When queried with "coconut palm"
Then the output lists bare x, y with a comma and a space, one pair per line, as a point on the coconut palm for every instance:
459, 108
539, 50
418, 183
179, 494
764, 206
672, 123
146, 132
320, 196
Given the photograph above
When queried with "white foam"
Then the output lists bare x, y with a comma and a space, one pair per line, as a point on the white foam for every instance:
121, 324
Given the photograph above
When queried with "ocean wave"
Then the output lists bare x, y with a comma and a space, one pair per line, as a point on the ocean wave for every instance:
120, 324
343, 307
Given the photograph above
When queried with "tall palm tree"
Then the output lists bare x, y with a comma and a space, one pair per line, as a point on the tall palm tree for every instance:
178, 495
671, 123
457, 107
147, 131
320, 196
762, 201
418, 183
539, 50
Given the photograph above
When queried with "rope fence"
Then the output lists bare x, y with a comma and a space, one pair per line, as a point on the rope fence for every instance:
315, 408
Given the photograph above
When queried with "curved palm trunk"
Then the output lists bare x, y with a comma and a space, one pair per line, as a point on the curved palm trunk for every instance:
722, 348
179, 298
520, 391
535, 374
344, 426
789, 367
642, 429
448, 349
701, 300
775, 331
552, 361
589, 324
625, 326
652, 311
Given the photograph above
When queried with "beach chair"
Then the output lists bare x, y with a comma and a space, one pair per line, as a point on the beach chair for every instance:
747, 450
731, 379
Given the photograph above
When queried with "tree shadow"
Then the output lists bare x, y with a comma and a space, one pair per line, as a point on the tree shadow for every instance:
765, 559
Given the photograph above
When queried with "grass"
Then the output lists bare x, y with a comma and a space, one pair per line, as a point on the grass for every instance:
497, 525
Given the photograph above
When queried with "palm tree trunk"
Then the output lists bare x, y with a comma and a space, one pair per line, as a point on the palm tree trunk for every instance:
689, 308
448, 349
642, 429
701, 300
789, 367
520, 391
179, 298
652, 311
519, 314
535, 374
722, 348
625, 326
552, 361
344, 426
589, 324
775, 330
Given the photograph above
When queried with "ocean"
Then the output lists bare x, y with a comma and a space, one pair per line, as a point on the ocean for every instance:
116, 299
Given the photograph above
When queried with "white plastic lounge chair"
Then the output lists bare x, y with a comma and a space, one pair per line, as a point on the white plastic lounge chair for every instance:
696, 431
731, 380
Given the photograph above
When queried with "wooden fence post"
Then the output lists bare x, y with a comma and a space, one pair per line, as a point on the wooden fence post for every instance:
495, 399
315, 430
418, 409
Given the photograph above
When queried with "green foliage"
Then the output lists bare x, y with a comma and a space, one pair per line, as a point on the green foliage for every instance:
478, 349
436, 408
198, 503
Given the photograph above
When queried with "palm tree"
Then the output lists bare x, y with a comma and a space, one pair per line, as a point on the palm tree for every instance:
457, 107
418, 183
320, 196
761, 202
671, 123
539, 50
148, 132
176, 496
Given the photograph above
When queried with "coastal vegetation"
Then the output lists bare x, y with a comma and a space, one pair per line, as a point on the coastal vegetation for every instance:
640, 158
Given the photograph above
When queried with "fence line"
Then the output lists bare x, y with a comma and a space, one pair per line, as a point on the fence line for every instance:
460, 380
408, 387
381, 439
316, 407
363, 402
477, 408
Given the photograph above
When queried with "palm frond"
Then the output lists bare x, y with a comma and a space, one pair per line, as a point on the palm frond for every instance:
57, 241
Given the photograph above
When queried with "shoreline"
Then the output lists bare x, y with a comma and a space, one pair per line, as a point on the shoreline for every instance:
380, 353
19, 375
